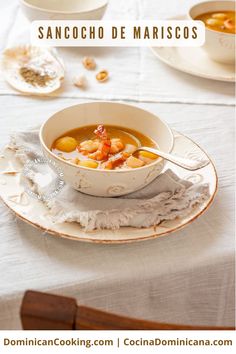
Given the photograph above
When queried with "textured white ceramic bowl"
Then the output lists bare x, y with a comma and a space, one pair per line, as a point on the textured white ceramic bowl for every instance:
104, 182
64, 9
219, 46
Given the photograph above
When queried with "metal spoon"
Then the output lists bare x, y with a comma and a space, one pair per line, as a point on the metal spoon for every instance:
188, 164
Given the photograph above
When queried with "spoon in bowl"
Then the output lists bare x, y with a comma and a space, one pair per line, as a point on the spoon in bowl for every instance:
188, 164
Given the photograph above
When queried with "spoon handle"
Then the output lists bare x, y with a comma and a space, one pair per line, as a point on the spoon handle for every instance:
188, 164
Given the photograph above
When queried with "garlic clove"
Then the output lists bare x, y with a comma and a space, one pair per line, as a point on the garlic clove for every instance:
80, 81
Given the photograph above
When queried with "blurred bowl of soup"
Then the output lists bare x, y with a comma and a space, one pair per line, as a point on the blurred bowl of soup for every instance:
219, 20
64, 9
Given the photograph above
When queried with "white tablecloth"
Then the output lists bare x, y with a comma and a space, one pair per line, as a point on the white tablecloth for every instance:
186, 277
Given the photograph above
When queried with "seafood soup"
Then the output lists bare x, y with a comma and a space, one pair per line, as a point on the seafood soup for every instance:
223, 21
104, 147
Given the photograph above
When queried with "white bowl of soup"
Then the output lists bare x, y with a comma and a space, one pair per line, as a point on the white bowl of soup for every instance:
64, 9
219, 20
93, 145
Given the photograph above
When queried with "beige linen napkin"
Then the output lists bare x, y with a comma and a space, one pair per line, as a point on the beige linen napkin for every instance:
166, 198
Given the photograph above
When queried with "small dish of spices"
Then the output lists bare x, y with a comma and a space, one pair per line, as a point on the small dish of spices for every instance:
33, 70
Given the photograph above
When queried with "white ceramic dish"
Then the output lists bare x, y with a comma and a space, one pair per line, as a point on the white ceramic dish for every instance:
218, 45
194, 61
64, 9
106, 183
35, 212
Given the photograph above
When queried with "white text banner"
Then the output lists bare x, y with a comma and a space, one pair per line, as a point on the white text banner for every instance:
118, 34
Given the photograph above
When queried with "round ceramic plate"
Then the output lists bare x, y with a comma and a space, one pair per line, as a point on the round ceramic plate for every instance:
194, 61
35, 212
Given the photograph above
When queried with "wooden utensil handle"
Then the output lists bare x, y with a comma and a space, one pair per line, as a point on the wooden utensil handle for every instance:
40, 311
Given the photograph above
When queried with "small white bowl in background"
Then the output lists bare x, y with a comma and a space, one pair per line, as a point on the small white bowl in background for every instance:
106, 183
64, 9
219, 46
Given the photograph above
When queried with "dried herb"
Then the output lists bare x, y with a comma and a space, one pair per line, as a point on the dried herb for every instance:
33, 77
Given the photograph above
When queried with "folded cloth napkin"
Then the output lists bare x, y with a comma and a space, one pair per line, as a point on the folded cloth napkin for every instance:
166, 198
